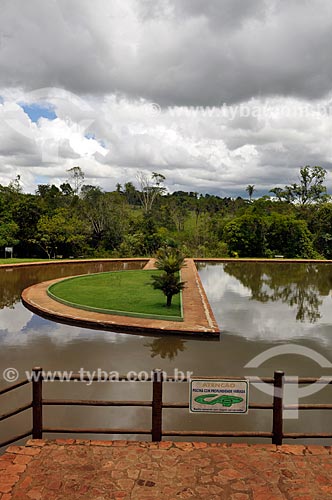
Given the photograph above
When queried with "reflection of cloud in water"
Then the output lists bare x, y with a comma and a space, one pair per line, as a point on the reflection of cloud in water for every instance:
217, 282
19, 326
238, 314
269, 322
14, 319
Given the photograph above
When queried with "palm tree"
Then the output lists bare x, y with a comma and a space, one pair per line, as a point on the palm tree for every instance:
250, 190
170, 260
169, 284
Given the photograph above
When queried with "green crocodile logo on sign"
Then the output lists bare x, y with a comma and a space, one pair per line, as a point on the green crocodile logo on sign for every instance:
228, 401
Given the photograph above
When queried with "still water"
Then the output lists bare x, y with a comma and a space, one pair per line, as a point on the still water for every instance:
257, 305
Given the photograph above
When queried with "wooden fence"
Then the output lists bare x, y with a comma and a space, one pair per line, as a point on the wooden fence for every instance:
157, 404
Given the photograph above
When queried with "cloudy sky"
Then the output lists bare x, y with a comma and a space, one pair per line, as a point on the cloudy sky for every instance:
214, 94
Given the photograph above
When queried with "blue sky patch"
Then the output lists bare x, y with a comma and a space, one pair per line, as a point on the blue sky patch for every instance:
36, 111
90, 135
41, 179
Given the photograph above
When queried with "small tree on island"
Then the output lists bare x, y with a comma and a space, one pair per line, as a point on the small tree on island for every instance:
170, 260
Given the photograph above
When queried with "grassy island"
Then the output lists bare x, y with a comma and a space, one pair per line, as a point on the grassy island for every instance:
127, 293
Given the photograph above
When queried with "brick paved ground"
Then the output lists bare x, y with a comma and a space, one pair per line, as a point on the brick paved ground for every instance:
100, 470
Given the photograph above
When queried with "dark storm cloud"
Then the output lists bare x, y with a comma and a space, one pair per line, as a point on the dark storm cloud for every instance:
193, 52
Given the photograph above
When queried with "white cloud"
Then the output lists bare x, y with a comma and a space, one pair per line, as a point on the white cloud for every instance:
13, 320
102, 65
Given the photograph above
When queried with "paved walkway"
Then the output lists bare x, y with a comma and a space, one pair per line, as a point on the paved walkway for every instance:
198, 316
120, 470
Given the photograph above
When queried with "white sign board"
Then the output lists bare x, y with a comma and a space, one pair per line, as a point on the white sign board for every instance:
218, 395
9, 249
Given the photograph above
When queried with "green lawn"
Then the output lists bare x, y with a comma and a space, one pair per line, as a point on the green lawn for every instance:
18, 261
123, 291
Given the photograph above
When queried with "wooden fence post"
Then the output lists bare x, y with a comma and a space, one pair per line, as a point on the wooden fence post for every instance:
277, 429
37, 403
157, 405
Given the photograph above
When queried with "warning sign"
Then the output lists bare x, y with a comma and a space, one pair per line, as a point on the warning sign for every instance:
218, 396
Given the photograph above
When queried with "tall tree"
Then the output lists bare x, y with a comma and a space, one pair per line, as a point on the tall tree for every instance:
131, 194
150, 188
60, 232
8, 233
77, 177
15, 185
309, 190
250, 190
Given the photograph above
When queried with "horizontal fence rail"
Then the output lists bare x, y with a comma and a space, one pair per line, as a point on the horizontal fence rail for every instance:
14, 412
157, 405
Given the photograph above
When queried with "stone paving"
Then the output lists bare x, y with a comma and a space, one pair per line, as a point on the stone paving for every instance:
99, 470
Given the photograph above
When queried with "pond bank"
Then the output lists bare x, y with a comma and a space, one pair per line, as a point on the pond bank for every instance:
198, 318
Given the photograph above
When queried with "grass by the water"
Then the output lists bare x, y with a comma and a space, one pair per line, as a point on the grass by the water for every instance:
19, 261
125, 291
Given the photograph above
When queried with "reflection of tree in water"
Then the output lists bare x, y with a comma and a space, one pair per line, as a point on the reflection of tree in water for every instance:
166, 347
14, 280
9, 288
298, 285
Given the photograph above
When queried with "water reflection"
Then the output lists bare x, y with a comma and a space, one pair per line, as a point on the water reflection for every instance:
20, 327
166, 347
13, 280
253, 317
299, 285
271, 301
13, 319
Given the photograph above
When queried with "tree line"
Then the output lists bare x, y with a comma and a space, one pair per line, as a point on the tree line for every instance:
77, 219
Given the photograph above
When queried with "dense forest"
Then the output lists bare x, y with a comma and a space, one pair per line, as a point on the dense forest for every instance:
76, 219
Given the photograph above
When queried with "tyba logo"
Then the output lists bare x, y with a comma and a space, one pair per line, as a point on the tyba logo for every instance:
292, 391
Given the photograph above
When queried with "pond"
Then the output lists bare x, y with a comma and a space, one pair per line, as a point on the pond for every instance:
257, 305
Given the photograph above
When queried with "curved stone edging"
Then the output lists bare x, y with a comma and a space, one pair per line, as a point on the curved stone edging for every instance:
198, 319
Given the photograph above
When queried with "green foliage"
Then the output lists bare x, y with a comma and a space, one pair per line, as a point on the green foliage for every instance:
276, 234
169, 260
321, 226
169, 284
131, 222
59, 231
289, 237
8, 233
246, 235
26, 213
132, 245
310, 189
